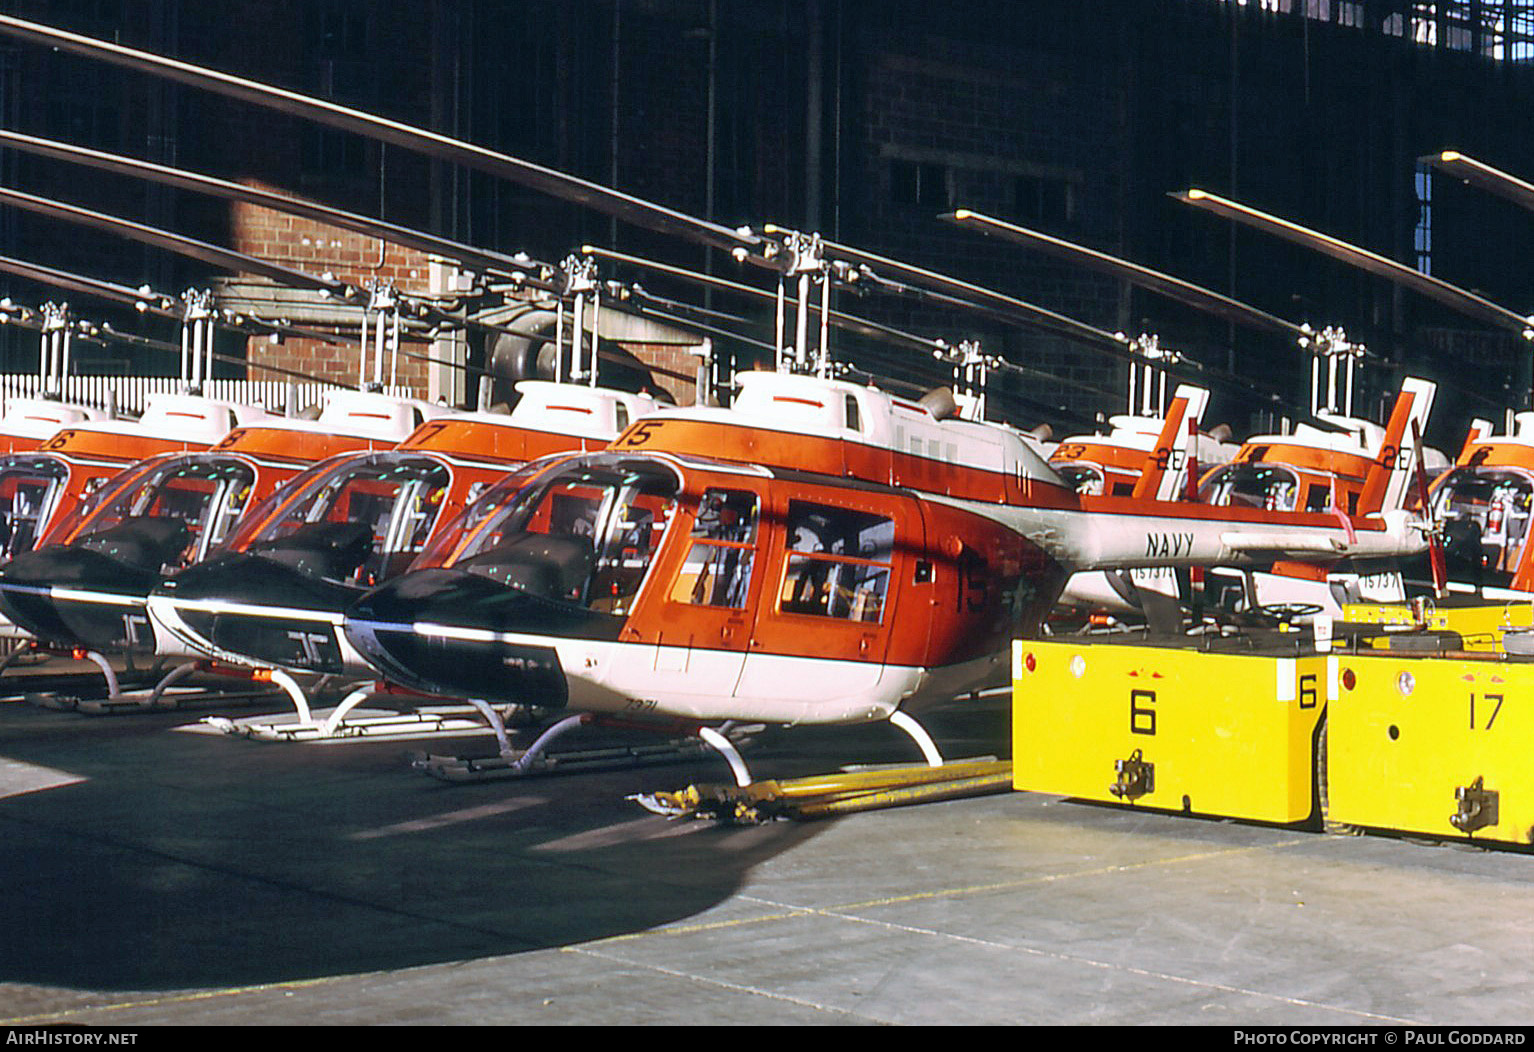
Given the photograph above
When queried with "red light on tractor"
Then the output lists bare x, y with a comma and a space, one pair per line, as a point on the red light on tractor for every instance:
1348, 679
1029, 663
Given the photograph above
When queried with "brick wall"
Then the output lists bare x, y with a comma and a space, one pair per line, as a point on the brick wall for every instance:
319, 248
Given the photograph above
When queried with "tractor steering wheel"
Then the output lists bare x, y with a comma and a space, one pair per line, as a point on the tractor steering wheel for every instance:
1284, 613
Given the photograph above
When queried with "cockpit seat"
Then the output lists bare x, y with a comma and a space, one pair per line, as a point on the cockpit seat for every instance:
145, 542
332, 550
545, 565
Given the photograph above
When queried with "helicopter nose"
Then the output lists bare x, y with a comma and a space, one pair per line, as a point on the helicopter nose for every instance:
464, 635
255, 608
76, 596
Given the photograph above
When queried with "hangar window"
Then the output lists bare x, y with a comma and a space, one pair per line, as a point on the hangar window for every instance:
918, 183
1497, 29
1044, 200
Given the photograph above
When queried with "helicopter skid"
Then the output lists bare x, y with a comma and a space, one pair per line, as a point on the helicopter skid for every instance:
142, 702
147, 691
423, 723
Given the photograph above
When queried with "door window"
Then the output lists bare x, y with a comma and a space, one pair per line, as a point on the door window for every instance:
717, 570
838, 562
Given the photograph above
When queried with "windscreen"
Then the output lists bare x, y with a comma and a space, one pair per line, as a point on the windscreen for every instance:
205, 494
390, 501
1084, 478
584, 534
1485, 512
1265, 486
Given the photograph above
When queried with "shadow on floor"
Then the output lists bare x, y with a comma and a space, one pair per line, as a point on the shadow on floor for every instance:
185, 860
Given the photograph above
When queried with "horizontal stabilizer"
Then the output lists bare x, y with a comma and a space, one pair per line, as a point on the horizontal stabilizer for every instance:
1297, 543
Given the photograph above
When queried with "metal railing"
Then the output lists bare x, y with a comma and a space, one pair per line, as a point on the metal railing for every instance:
126, 395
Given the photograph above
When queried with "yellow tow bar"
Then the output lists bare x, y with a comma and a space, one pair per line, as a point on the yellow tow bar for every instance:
827, 795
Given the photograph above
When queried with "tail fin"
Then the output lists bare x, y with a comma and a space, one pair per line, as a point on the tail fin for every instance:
1166, 466
1480, 431
1389, 482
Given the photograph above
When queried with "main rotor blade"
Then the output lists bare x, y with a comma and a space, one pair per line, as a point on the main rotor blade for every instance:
1425, 284
687, 316
1184, 292
566, 187
848, 322
496, 262
151, 303
840, 319
954, 293
223, 258
962, 293
1483, 176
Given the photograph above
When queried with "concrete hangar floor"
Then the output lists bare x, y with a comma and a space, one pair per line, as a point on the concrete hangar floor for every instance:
155, 877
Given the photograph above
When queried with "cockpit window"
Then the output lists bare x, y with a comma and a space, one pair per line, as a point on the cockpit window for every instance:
1485, 512
205, 495
390, 503
1086, 479
482, 504
1265, 486
29, 491
584, 535
838, 562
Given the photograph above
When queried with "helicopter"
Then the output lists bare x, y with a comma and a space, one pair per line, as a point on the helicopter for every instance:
820, 551
1482, 502
386, 459
85, 583
1320, 462
272, 598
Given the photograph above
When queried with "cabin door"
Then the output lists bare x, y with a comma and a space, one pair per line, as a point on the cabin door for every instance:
693, 624
824, 622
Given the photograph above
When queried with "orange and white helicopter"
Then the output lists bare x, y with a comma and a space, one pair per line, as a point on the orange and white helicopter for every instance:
86, 583
819, 552
50, 484
1317, 465
1482, 502
272, 599
113, 523
390, 470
